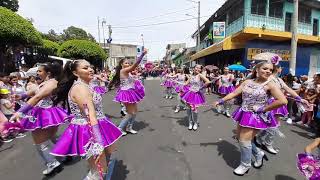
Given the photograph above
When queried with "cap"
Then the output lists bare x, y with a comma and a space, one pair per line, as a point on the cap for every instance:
4, 91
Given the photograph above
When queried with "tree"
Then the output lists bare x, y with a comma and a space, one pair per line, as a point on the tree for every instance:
48, 48
82, 49
52, 36
15, 33
14, 29
13, 5
76, 33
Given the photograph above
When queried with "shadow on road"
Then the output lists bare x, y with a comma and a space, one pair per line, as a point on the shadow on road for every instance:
183, 121
4, 147
113, 117
283, 177
229, 152
303, 134
139, 125
120, 171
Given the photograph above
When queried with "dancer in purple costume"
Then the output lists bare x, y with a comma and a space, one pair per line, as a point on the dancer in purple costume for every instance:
194, 97
43, 117
225, 87
254, 115
266, 137
169, 83
92, 136
127, 93
179, 88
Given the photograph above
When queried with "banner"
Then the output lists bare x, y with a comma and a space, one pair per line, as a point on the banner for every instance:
219, 29
284, 54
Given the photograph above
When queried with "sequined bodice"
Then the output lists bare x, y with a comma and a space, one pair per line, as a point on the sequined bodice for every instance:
277, 82
127, 83
253, 94
195, 83
45, 102
97, 102
225, 80
180, 78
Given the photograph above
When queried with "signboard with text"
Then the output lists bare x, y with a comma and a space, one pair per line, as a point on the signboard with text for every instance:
284, 54
219, 30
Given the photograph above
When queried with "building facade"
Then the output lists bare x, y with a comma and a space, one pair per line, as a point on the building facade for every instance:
255, 26
119, 51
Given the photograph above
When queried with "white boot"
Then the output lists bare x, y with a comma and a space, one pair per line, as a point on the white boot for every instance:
271, 149
227, 113
190, 126
195, 126
258, 163
241, 170
289, 121
51, 167
130, 130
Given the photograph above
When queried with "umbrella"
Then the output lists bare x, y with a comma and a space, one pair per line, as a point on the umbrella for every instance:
267, 56
237, 67
211, 67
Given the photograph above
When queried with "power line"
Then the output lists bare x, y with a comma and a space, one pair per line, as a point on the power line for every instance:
155, 24
160, 15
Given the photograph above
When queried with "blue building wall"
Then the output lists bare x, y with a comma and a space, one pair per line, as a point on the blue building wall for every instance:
303, 55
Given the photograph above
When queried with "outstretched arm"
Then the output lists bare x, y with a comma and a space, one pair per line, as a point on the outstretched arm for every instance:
136, 64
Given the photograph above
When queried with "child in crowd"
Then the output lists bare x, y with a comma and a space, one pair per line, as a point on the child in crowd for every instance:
307, 116
6, 105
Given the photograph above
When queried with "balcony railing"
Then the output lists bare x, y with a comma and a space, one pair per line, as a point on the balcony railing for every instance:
270, 23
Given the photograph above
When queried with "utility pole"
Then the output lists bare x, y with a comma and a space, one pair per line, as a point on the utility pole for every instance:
294, 40
99, 30
104, 39
198, 42
109, 44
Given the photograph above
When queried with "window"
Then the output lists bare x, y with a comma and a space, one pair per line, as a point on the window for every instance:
275, 8
235, 12
259, 7
304, 14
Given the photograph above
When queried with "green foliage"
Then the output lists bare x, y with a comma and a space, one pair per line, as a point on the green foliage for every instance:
52, 36
76, 33
13, 5
82, 49
16, 30
49, 48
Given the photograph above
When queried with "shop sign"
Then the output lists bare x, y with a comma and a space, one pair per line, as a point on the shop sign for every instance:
284, 54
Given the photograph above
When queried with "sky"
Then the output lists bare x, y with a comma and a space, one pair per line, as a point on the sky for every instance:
122, 15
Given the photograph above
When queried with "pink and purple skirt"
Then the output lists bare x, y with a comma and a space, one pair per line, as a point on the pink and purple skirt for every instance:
281, 111
309, 166
44, 118
11, 129
194, 98
130, 96
251, 120
139, 87
226, 89
169, 84
100, 89
76, 136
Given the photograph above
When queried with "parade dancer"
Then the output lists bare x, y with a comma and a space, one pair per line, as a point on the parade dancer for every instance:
128, 93
225, 87
179, 88
194, 97
254, 115
88, 134
266, 137
42, 118
169, 84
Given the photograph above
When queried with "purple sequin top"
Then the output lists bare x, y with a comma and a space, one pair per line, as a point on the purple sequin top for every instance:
253, 94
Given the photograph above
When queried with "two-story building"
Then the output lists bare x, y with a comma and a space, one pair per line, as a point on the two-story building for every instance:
254, 26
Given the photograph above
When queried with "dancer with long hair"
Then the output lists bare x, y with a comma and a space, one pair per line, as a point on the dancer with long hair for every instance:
179, 88
43, 118
194, 97
90, 133
169, 83
254, 113
225, 87
266, 137
127, 93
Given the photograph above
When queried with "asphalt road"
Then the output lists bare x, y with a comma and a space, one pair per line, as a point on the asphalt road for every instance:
164, 149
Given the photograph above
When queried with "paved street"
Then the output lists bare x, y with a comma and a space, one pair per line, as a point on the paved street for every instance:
165, 150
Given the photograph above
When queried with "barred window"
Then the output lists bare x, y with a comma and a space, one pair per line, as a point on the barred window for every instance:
236, 12
276, 8
259, 7
304, 14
